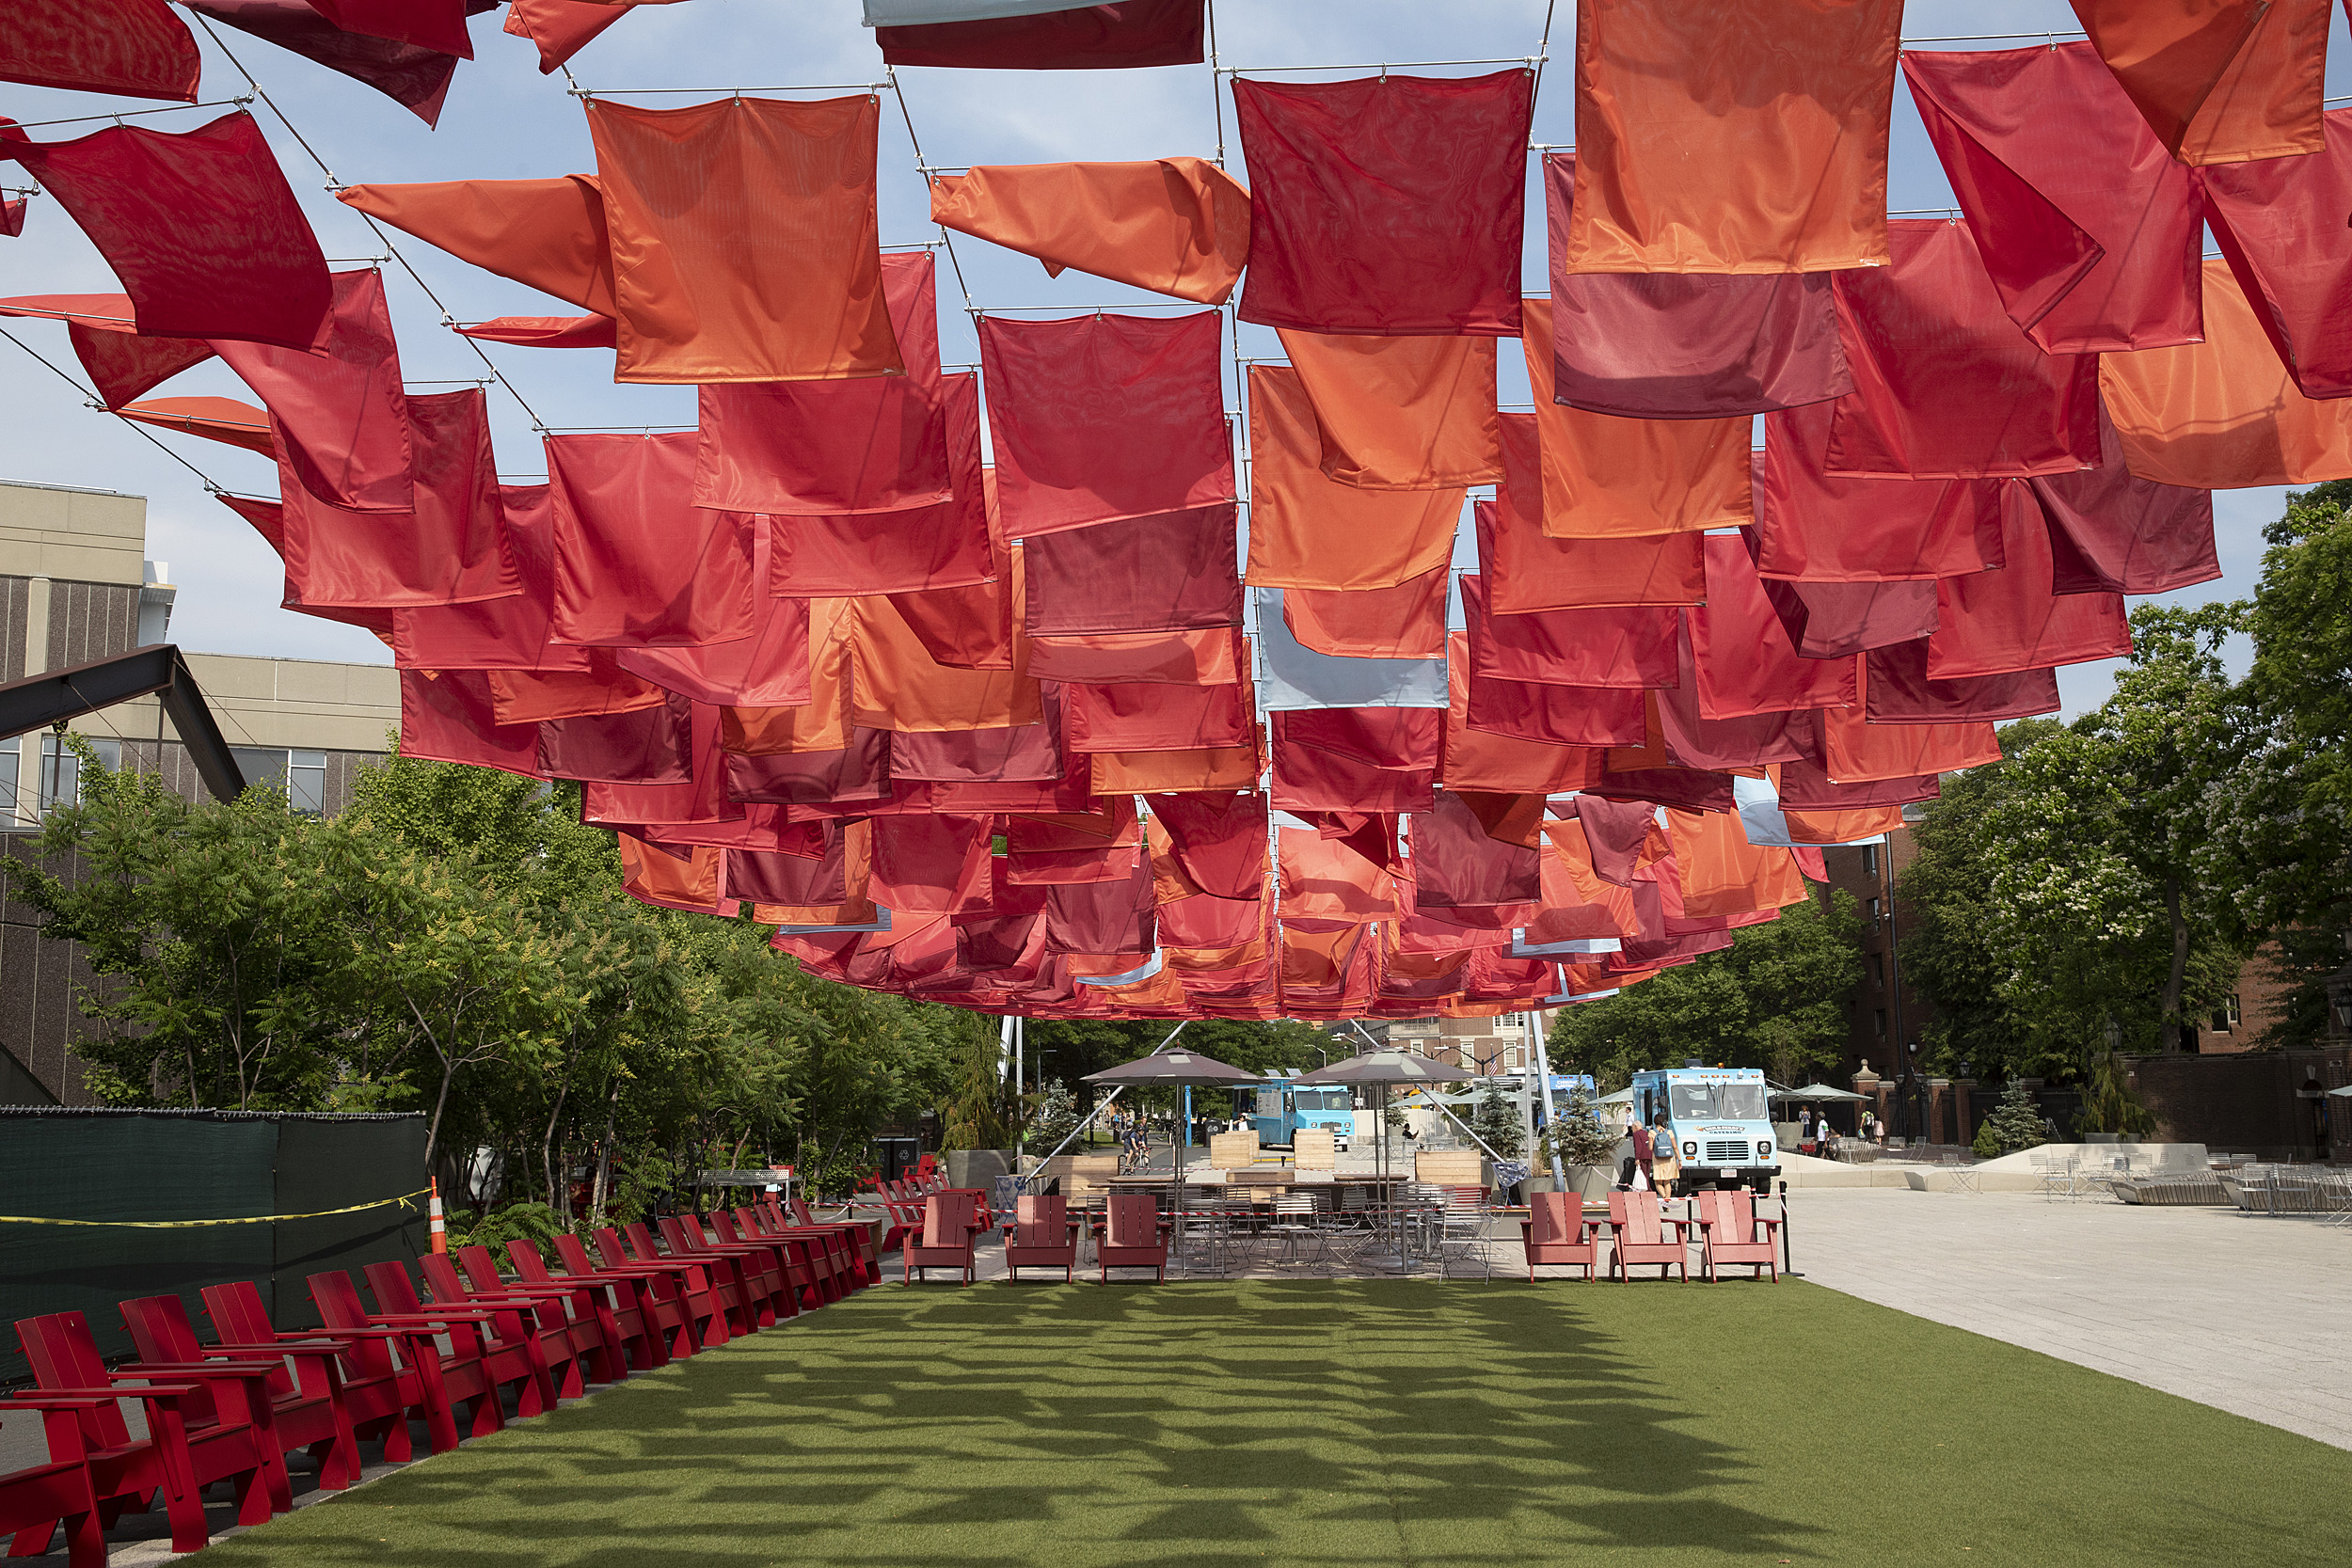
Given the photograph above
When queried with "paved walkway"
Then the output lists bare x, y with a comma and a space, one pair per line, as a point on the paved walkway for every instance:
2240, 1311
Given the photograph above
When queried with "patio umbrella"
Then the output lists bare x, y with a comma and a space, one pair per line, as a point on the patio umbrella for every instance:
1174, 1069
1382, 1068
1817, 1092
1623, 1097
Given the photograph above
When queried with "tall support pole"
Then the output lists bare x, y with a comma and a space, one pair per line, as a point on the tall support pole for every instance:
1543, 1091
1020, 1114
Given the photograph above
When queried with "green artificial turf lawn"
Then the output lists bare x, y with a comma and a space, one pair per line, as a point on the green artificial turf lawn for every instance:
1354, 1422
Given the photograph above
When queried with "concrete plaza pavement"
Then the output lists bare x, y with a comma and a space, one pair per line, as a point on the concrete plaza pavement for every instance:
2244, 1312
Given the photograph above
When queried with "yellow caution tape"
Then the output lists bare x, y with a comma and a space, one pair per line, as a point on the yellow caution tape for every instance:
249, 1219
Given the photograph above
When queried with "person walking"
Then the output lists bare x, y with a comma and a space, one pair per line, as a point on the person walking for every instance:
1637, 1159
1805, 1129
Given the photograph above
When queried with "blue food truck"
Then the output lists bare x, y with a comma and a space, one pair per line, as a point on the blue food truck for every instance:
1719, 1123
1279, 1108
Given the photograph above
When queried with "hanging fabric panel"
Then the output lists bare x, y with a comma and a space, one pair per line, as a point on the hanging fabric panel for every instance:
1746, 663
223, 420
432, 23
549, 234
1897, 690
542, 331
925, 865
562, 28
1748, 136
136, 48
1665, 345
1174, 226
1479, 760
704, 296
1191, 769
448, 718
1308, 529
2223, 414
2111, 532
200, 226
1553, 715
1344, 879
825, 448
2170, 57
1387, 206
1946, 386
506, 633
1836, 620
122, 365
1404, 622
1170, 571
1606, 476
411, 75
1294, 676
1156, 717
904, 551
896, 685
1855, 750
1813, 526
536, 696
1220, 840
1132, 33
1369, 759
771, 669
637, 563
1401, 413
1997, 622
2280, 222
1631, 647
1013, 753
1208, 656
1457, 865
965, 628
450, 548
1688, 739
338, 414
1104, 417
2087, 228
1526, 569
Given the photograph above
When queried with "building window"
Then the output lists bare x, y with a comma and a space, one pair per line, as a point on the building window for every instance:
1878, 969
61, 770
1871, 910
1511, 1020
1511, 1060
300, 775
1879, 1018
1870, 860
10, 750
2225, 1017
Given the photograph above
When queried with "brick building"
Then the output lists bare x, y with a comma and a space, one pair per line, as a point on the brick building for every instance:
1485, 1046
77, 584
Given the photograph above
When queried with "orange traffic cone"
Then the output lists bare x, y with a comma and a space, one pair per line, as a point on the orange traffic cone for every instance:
433, 1207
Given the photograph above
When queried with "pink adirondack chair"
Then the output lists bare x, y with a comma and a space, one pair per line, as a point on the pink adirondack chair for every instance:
1731, 1231
1638, 1234
33, 1501
1133, 1235
310, 1416
950, 1221
379, 1394
188, 1445
1041, 1235
1555, 1233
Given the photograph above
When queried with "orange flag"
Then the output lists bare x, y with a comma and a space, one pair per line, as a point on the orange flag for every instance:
744, 242
1308, 531
1605, 477
1404, 622
2223, 414
1175, 225
2214, 79
548, 233
1741, 136
1401, 413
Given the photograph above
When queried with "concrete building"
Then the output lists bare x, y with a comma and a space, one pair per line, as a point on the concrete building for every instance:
77, 584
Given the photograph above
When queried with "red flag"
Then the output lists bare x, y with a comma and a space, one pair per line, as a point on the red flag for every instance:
337, 414
941, 543
1170, 571
2280, 221
448, 718
1131, 33
1995, 623
506, 633
1220, 840
1157, 718
1813, 526
1746, 663
1457, 865
1898, 691
1674, 345
1361, 759
1387, 205
412, 75
200, 226
1105, 416
543, 331
434, 23
122, 365
2111, 532
1621, 647
1476, 759
1404, 622
2173, 55
1526, 570
637, 563
136, 48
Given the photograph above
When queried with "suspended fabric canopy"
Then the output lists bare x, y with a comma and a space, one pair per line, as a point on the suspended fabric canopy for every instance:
947, 673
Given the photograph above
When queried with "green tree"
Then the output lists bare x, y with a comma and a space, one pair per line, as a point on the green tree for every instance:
1575, 1135
1777, 995
1496, 1121
2015, 1124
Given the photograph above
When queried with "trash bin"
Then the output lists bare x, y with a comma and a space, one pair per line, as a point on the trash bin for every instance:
896, 1157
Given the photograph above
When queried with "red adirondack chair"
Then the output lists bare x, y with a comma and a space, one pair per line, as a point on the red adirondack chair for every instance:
443, 1380
1041, 1235
647, 1302
608, 1305
746, 1277
856, 1238
695, 1283
1133, 1236
379, 1393
508, 1352
1555, 1233
33, 1501
950, 1222
906, 1214
1639, 1234
1731, 1231
188, 1445
803, 1259
537, 1324
570, 1323
310, 1416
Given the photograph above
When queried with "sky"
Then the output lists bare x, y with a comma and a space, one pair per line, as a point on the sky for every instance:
503, 122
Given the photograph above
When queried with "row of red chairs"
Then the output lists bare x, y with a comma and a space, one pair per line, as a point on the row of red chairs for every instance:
944, 1231
232, 1410
1638, 1232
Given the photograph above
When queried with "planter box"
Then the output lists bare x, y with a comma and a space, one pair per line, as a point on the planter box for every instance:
978, 1167
1465, 1167
1591, 1180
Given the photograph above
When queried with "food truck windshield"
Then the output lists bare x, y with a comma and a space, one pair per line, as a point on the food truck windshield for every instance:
1719, 1100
